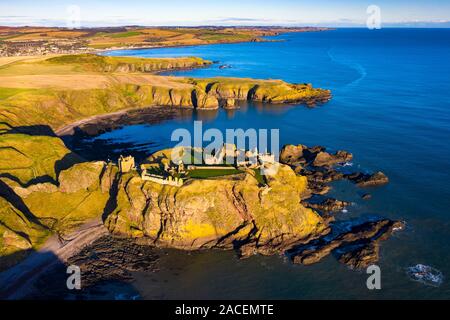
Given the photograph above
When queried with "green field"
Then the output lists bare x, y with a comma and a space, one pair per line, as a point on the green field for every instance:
126, 34
5, 93
211, 173
261, 179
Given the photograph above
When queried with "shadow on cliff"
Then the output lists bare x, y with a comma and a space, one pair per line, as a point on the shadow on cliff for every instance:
34, 130
43, 276
7, 193
41, 179
67, 161
111, 204
45, 131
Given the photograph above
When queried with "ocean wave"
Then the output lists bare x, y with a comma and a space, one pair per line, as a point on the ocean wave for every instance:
352, 65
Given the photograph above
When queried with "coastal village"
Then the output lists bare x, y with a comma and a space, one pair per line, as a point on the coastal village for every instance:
40, 47
165, 172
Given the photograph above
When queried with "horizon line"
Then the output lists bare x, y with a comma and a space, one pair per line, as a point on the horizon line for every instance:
350, 26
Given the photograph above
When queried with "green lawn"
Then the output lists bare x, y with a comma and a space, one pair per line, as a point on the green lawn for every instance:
261, 179
5, 93
125, 34
210, 173
213, 36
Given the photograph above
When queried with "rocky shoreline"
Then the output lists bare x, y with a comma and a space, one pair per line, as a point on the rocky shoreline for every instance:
95, 125
131, 244
354, 242
107, 259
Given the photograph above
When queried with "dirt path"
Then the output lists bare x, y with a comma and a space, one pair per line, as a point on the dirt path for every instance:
16, 282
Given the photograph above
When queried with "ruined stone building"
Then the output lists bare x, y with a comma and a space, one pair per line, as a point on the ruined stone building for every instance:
126, 164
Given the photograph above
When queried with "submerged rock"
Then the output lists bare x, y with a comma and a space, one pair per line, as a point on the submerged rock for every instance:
366, 196
362, 256
328, 205
369, 180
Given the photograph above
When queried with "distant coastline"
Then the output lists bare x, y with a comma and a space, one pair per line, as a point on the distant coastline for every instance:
24, 41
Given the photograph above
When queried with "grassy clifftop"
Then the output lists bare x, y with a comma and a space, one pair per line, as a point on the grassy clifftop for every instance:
32, 157
96, 63
61, 90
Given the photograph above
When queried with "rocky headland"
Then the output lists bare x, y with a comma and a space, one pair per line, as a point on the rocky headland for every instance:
47, 190
236, 212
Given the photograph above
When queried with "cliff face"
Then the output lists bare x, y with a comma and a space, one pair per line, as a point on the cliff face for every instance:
60, 107
61, 90
215, 213
271, 91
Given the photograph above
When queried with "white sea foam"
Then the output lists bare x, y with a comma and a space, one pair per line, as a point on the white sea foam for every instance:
348, 164
425, 274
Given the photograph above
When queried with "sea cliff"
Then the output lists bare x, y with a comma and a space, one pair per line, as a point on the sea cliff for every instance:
59, 91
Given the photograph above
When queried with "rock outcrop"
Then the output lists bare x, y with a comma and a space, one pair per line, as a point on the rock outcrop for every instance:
315, 156
368, 180
328, 205
356, 246
215, 213
235, 212
319, 166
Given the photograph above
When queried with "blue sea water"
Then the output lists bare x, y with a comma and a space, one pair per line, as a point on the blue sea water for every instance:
390, 108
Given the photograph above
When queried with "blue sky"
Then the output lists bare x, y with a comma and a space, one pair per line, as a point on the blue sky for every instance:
231, 12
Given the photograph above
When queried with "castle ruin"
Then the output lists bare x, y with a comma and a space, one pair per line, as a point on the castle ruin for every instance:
126, 164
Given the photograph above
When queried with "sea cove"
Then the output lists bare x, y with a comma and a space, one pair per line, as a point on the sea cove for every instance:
389, 108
